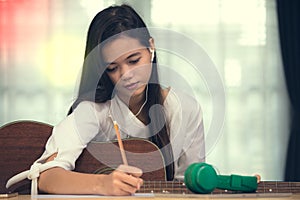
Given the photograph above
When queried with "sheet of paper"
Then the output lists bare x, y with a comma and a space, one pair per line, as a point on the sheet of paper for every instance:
47, 196
226, 196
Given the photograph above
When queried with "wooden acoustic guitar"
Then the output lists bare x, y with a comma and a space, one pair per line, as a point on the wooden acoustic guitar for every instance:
22, 142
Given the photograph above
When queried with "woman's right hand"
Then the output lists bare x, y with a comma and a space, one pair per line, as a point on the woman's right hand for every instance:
125, 180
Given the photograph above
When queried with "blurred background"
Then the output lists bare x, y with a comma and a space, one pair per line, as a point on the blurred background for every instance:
42, 46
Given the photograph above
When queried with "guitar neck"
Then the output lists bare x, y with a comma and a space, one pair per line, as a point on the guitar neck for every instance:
278, 187
172, 187
178, 187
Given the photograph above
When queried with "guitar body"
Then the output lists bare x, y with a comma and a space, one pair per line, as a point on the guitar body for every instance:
104, 157
23, 142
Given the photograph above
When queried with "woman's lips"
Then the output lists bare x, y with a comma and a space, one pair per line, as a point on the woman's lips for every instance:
131, 86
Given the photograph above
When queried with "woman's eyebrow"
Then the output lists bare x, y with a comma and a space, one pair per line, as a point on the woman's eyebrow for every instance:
128, 57
134, 54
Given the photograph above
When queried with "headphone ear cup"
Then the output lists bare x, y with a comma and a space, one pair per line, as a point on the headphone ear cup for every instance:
201, 178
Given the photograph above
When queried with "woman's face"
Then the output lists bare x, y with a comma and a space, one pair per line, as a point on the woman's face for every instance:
128, 65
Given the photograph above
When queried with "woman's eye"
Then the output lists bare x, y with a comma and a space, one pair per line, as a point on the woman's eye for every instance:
134, 61
111, 69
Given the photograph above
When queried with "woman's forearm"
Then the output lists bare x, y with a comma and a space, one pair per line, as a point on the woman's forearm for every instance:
60, 181
125, 180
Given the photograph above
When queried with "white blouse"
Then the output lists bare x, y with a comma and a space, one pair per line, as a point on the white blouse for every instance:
94, 122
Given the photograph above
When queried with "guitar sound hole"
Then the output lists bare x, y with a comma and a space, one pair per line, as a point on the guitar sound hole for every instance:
105, 170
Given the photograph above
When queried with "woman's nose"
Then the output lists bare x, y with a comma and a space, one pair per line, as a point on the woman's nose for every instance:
126, 73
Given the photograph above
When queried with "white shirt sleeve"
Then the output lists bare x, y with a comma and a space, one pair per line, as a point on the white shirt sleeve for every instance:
71, 136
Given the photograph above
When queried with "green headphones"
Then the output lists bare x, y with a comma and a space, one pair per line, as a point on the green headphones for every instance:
201, 178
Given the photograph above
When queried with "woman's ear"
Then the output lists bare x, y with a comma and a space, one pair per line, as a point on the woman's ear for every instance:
151, 44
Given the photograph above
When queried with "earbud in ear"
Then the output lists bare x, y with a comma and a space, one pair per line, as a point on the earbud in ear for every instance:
152, 54
202, 178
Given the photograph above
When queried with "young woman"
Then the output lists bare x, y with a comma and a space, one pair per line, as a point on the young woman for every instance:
119, 83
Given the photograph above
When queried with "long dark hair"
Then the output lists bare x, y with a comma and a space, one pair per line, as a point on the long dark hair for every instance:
110, 22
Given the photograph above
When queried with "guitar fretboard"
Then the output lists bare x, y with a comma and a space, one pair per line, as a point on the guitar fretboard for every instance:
179, 187
173, 187
278, 187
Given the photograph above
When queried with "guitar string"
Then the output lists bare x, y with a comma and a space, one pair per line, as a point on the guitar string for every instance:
263, 187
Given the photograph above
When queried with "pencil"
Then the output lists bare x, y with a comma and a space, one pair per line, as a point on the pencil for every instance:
120, 143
